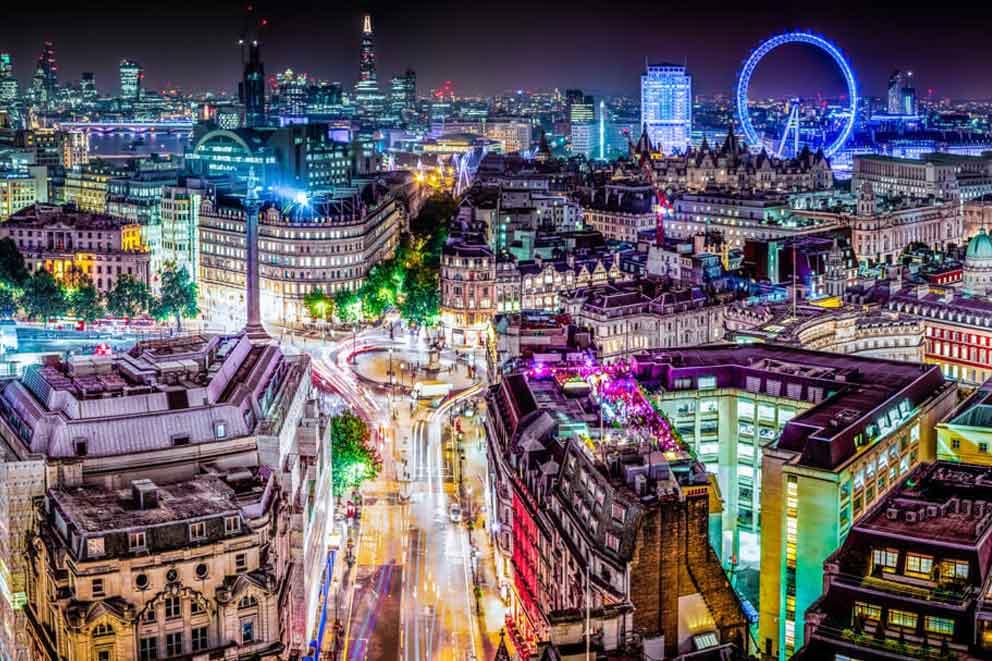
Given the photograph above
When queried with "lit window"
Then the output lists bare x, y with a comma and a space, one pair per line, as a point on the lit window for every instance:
902, 619
921, 565
940, 625
612, 542
869, 612
885, 558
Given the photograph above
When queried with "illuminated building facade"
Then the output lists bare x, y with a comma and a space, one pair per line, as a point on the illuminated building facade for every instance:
942, 176
621, 211
583, 128
901, 94
666, 106
403, 94
70, 244
251, 89
468, 290
513, 135
965, 435
156, 432
87, 185
8, 83
180, 217
44, 83
958, 330
131, 75
911, 580
20, 188
585, 507
159, 571
326, 244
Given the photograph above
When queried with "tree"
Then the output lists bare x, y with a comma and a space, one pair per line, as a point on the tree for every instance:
178, 298
128, 298
12, 269
354, 458
346, 305
8, 302
422, 298
319, 304
86, 301
43, 297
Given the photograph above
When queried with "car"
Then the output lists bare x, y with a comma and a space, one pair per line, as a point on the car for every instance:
455, 512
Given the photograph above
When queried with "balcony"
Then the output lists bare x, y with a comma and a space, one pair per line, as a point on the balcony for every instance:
895, 585
889, 643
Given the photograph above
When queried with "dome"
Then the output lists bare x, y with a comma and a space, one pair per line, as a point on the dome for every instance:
980, 247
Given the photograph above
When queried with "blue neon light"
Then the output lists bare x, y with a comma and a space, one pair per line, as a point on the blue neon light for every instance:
744, 82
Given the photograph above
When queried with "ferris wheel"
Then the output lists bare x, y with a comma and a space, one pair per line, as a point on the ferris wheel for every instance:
789, 142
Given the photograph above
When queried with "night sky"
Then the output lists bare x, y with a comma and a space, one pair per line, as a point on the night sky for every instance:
493, 47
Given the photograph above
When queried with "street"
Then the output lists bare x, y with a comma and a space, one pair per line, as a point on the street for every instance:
410, 593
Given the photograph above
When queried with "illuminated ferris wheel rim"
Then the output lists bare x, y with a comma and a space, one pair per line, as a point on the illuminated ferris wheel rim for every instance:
767, 46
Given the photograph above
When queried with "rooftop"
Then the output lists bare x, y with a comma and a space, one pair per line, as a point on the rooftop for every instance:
853, 400
46, 215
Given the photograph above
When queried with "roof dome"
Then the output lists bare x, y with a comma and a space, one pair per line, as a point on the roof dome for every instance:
980, 247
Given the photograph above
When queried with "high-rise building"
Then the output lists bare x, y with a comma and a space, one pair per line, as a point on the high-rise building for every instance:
251, 90
87, 85
666, 106
6, 65
403, 93
582, 118
8, 84
45, 80
902, 95
368, 98
131, 76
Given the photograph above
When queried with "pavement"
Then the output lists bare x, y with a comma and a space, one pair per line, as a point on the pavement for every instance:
410, 594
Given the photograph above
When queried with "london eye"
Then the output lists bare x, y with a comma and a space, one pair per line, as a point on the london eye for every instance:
829, 136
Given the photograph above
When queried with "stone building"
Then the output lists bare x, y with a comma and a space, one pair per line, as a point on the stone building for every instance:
977, 272
621, 211
468, 290
579, 513
69, 244
327, 244
218, 411
938, 175
190, 568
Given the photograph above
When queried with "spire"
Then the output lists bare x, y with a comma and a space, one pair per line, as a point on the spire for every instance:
367, 24
502, 654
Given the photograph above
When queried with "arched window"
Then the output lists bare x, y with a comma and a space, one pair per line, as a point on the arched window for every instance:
247, 601
103, 629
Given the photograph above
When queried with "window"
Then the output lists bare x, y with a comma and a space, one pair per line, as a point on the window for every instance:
173, 608
195, 607
180, 440
921, 565
247, 631
612, 542
954, 569
174, 643
98, 587
870, 612
94, 547
199, 639
232, 525
619, 512
102, 629
241, 562
940, 625
81, 447
902, 619
220, 430
983, 448
103, 655
885, 558
147, 649
197, 531
247, 601
136, 541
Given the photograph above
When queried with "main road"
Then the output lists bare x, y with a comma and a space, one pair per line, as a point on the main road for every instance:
412, 595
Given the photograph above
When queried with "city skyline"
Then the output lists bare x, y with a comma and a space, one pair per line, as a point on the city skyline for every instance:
600, 49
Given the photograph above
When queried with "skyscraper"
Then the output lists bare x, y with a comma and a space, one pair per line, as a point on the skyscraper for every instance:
87, 85
45, 80
403, 93
582, 119
131, 77
902, 95
8, 84
368, 98
666, 106
251, 90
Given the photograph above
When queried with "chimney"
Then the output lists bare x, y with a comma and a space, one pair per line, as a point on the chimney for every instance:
145, 494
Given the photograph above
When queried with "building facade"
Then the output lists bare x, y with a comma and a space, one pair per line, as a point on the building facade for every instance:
70, 244
329, 245
666, 106
468, 290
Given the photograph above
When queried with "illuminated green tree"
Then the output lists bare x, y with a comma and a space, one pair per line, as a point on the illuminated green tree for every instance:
44, 298
347, 307
178, 297
128, 298
319, 304
85, 301
354, 458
